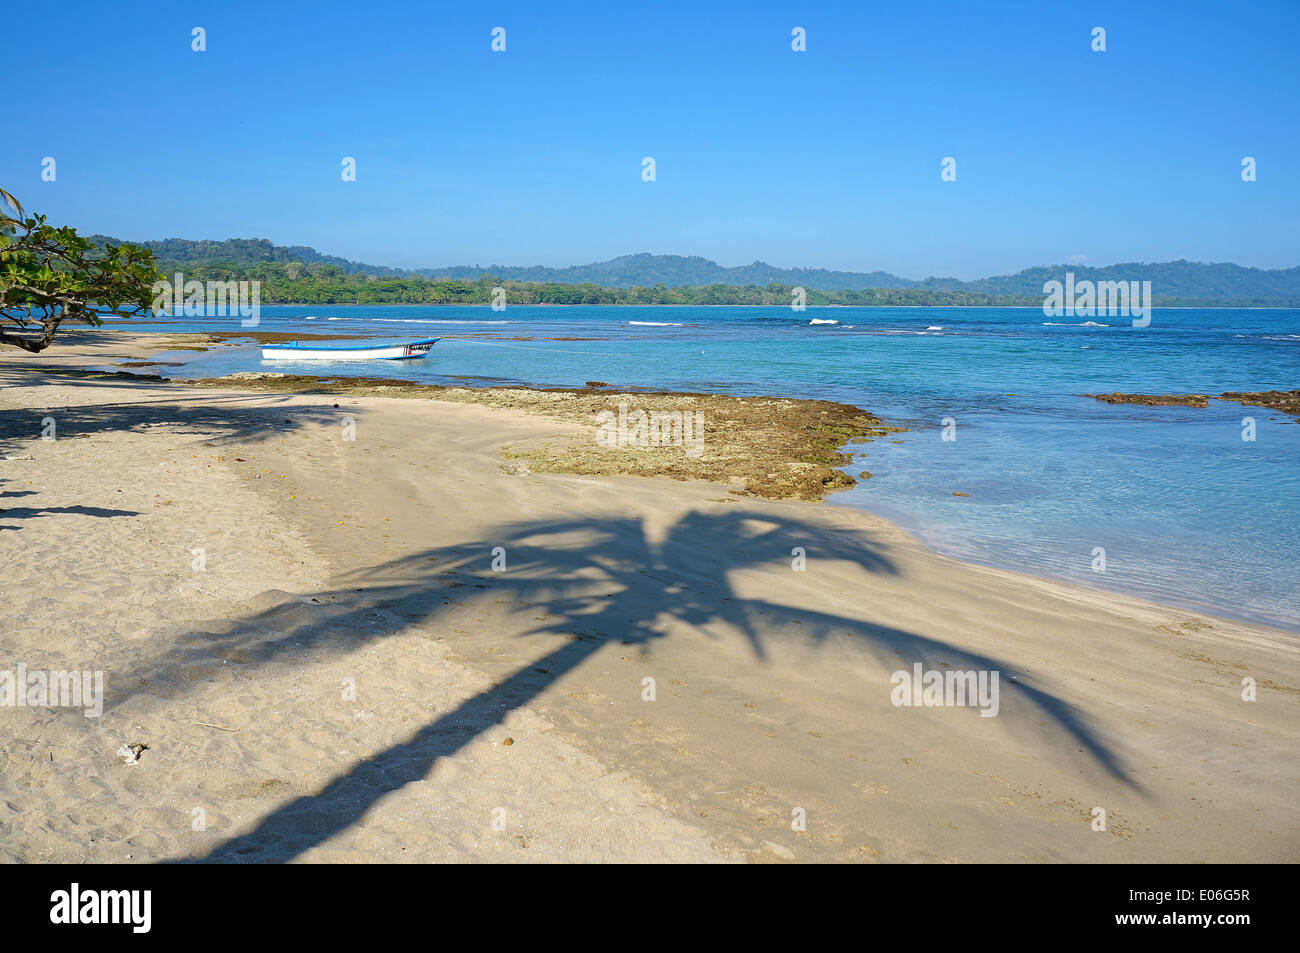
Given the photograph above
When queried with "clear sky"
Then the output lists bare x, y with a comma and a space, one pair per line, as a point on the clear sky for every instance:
828, 158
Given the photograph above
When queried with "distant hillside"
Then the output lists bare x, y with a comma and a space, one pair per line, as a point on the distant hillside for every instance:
645, 270
1186, 280
183, 253
1170, 279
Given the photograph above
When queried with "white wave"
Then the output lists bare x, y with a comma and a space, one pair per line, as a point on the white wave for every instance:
658, 324
822, 321
934, 327
1066, 324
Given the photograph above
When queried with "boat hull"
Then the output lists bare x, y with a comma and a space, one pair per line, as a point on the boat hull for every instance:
299, 351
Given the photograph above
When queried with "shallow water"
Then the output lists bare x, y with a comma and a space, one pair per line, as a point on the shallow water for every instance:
1185, 510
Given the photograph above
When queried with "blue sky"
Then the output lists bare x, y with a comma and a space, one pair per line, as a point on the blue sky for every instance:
829, 157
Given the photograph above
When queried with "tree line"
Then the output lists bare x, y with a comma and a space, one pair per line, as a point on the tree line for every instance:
315, 283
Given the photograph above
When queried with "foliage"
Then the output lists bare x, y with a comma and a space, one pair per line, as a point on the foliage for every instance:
301, 283
1184, 280
50, 275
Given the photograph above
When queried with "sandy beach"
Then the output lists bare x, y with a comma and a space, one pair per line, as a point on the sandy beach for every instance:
293, 601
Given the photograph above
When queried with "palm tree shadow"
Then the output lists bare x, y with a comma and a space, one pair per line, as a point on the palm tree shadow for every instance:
27, 512
590, 578
216, 418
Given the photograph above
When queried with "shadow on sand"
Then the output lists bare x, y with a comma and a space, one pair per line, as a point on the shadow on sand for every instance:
585, 577
218, 419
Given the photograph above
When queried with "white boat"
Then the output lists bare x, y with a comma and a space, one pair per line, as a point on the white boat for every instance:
310, 351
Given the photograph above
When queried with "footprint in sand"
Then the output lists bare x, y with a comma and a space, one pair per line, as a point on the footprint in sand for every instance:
1180, 627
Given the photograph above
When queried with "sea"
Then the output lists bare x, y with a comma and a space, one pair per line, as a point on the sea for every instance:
1196, 507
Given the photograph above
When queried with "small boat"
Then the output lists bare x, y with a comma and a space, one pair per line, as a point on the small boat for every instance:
311, 351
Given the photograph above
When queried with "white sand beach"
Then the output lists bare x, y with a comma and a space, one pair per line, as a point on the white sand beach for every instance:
308, 633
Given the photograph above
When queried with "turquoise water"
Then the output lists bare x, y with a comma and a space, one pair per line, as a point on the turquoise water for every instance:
1185, 509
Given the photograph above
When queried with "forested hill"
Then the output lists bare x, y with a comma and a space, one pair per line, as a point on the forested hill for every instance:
1175, 279
242, 253
624, 272
645, 270
1172, 279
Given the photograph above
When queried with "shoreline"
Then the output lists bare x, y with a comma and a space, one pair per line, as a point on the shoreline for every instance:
1173, 602
370, 560
833, 470
800, 439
